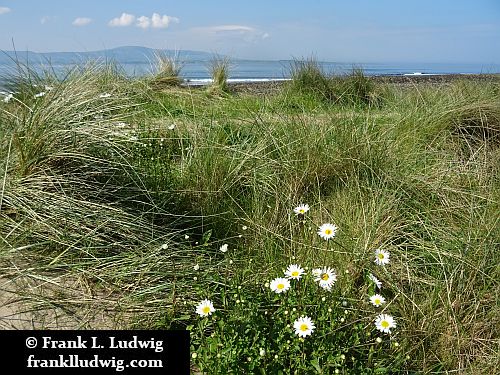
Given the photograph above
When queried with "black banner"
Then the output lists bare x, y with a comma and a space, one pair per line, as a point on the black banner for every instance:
95, 352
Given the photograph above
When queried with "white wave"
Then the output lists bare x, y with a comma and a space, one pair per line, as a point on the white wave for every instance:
420, 74
207, 81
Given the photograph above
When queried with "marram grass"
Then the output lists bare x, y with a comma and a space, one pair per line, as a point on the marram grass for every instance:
178, 209
219, 71
167, 71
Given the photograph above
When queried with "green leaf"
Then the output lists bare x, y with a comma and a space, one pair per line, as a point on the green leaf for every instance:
206, 237
317, 367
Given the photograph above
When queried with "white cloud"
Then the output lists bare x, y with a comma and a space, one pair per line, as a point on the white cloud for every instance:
81, 21
156, 21
230, 28
247, 33
161, 22
143, 22
47, 19
4, 10
124, 20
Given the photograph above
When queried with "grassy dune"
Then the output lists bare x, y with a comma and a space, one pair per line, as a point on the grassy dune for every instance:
117, 195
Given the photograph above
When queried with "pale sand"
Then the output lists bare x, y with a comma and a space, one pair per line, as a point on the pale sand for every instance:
19, 301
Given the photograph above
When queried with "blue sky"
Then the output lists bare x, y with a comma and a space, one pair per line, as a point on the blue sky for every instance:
460, 31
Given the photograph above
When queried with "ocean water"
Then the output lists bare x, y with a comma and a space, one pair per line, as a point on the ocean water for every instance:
197, 71
256, 70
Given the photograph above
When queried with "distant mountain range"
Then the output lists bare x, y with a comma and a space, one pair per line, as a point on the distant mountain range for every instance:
130, 54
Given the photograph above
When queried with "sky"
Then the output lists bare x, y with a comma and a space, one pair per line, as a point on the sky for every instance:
441, 31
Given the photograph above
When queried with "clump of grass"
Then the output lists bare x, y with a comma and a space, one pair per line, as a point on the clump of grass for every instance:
355, 89
309, 78
477, 121
219, 71
168, 70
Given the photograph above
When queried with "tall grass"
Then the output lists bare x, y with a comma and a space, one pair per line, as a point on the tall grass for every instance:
167, 71
128, 192
309, 78
219, 71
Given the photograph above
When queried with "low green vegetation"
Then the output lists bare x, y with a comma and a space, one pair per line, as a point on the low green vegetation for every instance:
175, 208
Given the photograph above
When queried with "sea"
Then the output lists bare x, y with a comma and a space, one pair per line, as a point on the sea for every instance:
196, 72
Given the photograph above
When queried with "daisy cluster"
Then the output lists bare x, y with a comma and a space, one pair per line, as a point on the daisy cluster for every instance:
297, 279
325, 277
383, 322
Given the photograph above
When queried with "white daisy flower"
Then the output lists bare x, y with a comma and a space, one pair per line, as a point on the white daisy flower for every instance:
327, 231
280, 285
326, 278
205, 308
304, 326
376, 281
171, 127
384, 323
105, 95
301, 209
377, 300
294, 271
196, 267
224, 247
262, 352
39, 95
381, 257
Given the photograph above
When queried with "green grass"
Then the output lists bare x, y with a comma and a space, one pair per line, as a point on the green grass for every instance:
309, 80
128, 192
167, 71
219, 71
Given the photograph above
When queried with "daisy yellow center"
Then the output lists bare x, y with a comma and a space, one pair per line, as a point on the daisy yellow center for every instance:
302, 211
325, 277
381, 256
377, 301
304, 327
280, 286
295, 273
206, 310
328, 231
384, 324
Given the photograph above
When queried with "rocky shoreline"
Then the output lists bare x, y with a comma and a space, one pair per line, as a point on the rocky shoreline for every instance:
437, 79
